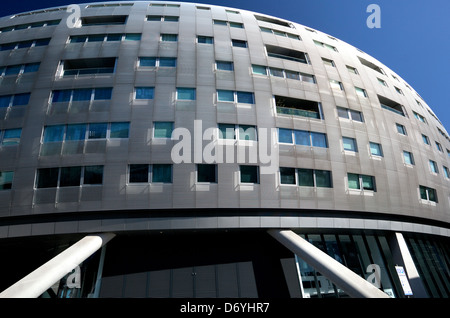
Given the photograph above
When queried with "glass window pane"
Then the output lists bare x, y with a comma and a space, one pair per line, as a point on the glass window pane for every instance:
356, 115
353, 181
305, 177
205, 39
167, 62
423, 192
119, 130
401, 129
361, 92
114, 37
93, 175
78, 38
96, 38
323, 179
13, 70
54, 133
342, 112
349, 144
206, 173
147, 61
259, 69
185, 93
236, 25
42, 42
21, 99
11, 137
292, 75
5, 100
76, 132
32, 67
225, 96
432, 195
144, 92
308, 78
103, 93
132, 37
70, 177
82, 94
226, 131
162, 173
220, 22
285, 135
375, 149
276, 72
249, 174
287, 175
169, 37
319, 139
247, 132
154, 18
97, 130
368, 182
239, 43
302, 137
170, 18
61, 95
224, 66
139, 173
245, 97
408, 157
163, 130
47, 178
6, 178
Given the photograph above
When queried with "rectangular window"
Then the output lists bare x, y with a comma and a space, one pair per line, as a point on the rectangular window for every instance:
74, 132
272, 20
351, 69
401, 129
298, 107
144, 92
5, 101
227, 131
81, 94
147, 61
360, 181
132, 37
93, 175
361, 92
428, 194
104, 20
89, 66
249, 174
408, 157
236, 25
433, 166
184, 93
323, 178
119, 130
391, 105
287, 54
224, 66
419, 117
54, 133
6, 178
167, 62
138, 173
319, 140
205, 39
162, 129
305, 177
47, 178
239, 43
162, 173
328, 62
278, 72
97, 130
21, 99
245, 97
287, 175
371, 65
103, 93
438, 146
336, 85
207, 173
225, 96
11, 137
169, 37
70, 176
285, 135
247, 132
350, 114
382, 82
231, 96
349, 144
446, 172
259, 69
375, 149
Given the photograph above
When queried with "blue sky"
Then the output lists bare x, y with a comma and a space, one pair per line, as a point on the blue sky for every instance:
414, 38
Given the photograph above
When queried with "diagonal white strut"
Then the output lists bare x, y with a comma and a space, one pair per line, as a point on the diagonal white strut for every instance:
350, 282
37, 282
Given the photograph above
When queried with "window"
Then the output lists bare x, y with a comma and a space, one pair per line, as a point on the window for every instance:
90, 66
144, 92
249, 174
239, 43
328, 62
287, 176
224, 66
408, 157
259, 69
371, 65
336, 85
207, 173
138, 173
162, 173
166, 18
105, 37
428, 194
308, 138
360, 181
70, 176
285, 135
433, 166
438, 146
446, 172
419, 117
47, 178
132, 37
157, 62
74, 132
205, 39
327, 46
227, 131
84, 94
375, 149
351, 69
119, 130
19, 69
162, 129
97, 130
184, 93
220, 22
169, 37
10, 137
391, 105
272, 20
6, 178
287, 54
104, 20
350, 114
93, 175
349, 144
398, 90
240, 132
401, 129
24, 44
236, 97
361, 92
382, 82
245, 97
298, 107
247, 132
280, 33
314, 178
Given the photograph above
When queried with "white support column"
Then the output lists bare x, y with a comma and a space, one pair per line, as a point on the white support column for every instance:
37, 282
353, 284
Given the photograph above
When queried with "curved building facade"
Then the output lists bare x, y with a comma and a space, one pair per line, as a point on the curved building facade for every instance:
197, 136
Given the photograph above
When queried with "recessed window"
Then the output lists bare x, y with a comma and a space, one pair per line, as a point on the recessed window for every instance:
350, 114
391, 105
237, 97
287, 54
10, 137
428, 194
15, 70
398, 90
327, 46
408, 157
361, 92
349, 144
433, 166
6, 178
259, 69
90, 66
382, 82
224, 66
328, 62
169, 37
161, 173
104, 20
14, 100
371, 65
375, 149
162, 129
351, 69
205, 39
240, 132
184, 93
419, 117
138, 173
361, 182
249, 174
239, 43
220, 22
119, 130
81, 94
207, 173
446, 172
438, 146
298, 107
314, 178
287, 176
69, 176
97, 130
93, 175
400, 129
336, 85
144, 92
157, 62
227, 131
272, 20
166, 18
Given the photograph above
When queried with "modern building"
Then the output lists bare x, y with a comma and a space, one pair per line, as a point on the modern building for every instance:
165, 149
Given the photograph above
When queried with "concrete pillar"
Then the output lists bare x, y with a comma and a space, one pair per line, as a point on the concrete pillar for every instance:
37, 282
350, 282
402, 257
